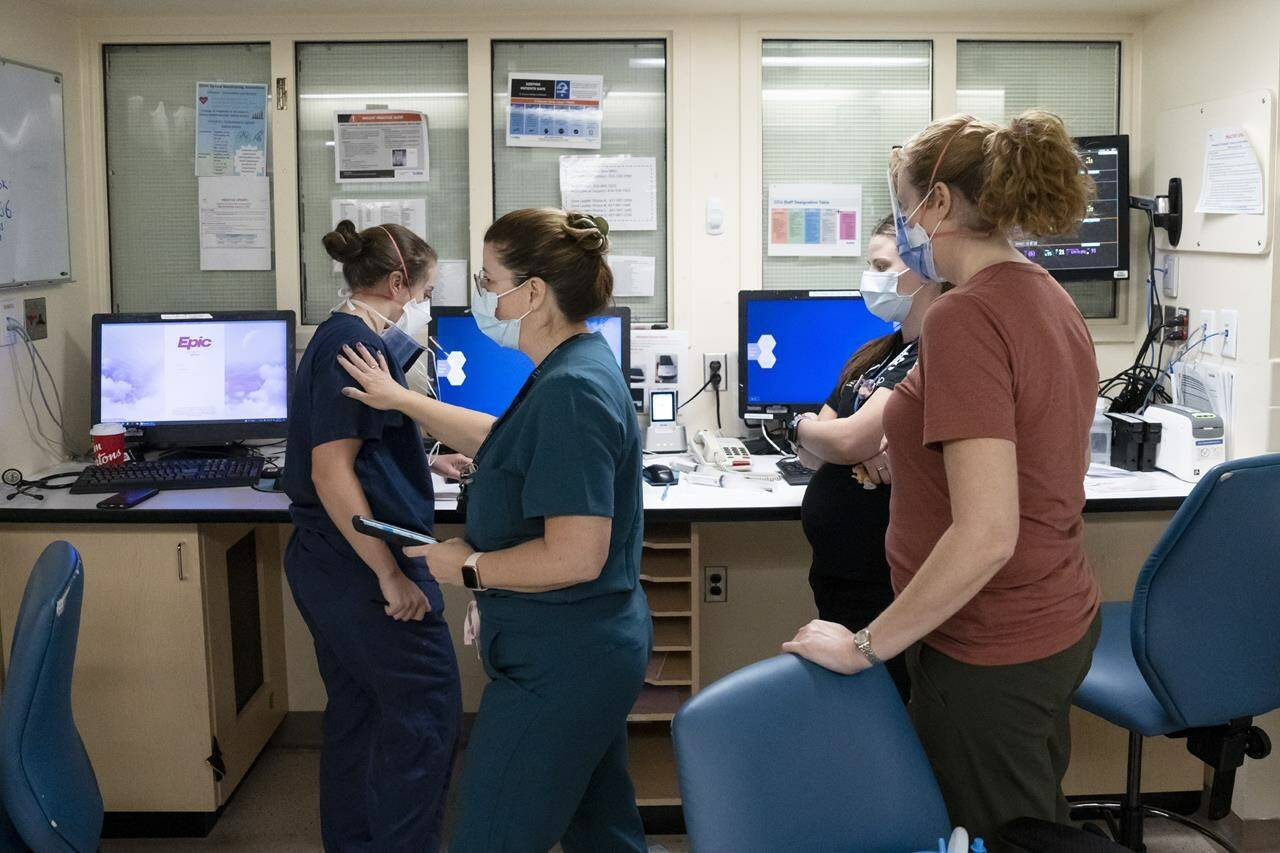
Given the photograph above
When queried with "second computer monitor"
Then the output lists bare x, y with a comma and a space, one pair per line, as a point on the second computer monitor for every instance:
792, 345
474, 372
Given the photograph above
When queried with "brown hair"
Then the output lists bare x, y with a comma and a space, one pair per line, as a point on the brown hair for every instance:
565, 249
369, 256
875, 350
1025, 176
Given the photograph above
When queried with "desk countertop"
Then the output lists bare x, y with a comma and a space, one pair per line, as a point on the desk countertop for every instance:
1117, 491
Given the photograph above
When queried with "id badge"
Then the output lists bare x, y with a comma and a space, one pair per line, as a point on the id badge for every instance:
471, 628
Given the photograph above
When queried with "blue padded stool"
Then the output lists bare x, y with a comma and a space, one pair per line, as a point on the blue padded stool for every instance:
47, 786
786, 755
1196, 654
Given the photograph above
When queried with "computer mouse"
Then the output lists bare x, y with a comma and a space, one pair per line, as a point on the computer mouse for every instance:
659, 475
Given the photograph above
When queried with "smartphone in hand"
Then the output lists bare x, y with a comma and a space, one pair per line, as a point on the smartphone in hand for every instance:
391, 534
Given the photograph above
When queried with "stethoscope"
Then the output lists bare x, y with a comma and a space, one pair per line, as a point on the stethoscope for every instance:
13, 478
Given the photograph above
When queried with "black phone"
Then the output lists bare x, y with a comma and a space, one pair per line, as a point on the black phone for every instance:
127, 498
390, 533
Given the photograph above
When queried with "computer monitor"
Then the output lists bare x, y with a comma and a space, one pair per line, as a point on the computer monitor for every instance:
194, 379
792, 345
1099, 249
475, 373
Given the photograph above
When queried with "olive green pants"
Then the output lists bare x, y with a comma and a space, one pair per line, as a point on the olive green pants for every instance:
998, 737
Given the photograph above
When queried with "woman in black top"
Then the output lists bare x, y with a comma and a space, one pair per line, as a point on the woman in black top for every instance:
846, 508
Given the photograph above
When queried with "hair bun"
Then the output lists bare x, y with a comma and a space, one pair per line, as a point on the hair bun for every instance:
591, 233
343, 243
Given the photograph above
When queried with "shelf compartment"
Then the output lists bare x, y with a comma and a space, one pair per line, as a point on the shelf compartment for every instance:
666, 567
670, 669
652, 763
668, 537
672, 634
669, 599
658, 703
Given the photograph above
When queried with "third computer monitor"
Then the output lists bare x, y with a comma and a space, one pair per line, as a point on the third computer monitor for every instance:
475, 373
793, 344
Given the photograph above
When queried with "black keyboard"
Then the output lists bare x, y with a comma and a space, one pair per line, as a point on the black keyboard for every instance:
169, 474
794, 473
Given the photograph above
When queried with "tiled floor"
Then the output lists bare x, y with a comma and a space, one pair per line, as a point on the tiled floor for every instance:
276, 810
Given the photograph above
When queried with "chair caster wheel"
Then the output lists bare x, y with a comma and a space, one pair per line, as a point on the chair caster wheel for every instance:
1258, 745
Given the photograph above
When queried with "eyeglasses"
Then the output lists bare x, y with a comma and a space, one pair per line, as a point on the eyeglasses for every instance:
481, 278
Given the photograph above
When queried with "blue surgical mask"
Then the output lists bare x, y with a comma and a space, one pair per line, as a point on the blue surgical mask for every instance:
504, 333
880, 293
402, 347
915, 245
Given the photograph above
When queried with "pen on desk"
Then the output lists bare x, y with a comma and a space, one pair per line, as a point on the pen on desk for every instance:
665, 489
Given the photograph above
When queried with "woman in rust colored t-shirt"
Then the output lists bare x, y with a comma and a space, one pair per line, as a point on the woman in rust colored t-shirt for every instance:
996, 604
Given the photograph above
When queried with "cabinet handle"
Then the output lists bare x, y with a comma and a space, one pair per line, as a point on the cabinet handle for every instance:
182, 573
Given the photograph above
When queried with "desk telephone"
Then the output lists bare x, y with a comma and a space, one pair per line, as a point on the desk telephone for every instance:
727, 454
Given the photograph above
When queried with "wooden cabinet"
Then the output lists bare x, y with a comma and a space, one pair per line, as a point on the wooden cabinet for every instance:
669, 574
155, 685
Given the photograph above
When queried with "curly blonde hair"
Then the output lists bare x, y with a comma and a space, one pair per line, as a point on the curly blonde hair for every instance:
1025, 176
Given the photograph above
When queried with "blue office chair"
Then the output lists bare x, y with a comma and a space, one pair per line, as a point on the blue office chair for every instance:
785, 755
47, 786
1196, 654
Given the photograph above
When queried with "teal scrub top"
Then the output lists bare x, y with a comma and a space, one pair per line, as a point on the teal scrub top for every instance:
571, 446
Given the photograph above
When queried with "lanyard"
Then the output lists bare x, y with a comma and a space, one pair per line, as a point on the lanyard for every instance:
878, 371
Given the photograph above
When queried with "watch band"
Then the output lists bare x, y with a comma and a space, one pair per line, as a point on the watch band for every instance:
793, 429
862, 640
471, 572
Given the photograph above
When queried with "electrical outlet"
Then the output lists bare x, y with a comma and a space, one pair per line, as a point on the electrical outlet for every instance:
710, 360
1206, 325
36, 318
10, 309
1174, 314
1169, 263
1230, 332
715, 584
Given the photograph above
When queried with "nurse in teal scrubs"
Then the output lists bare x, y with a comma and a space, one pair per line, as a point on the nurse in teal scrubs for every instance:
552, 548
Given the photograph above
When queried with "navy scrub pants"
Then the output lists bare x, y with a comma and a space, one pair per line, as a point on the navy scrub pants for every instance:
547, 759
391, 723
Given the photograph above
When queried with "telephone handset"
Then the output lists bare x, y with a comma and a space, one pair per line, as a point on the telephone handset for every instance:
727, 454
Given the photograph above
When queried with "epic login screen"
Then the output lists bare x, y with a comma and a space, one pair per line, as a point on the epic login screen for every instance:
167, 372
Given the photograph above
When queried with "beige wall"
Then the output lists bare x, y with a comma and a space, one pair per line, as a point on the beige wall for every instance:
49, 39
1200, 52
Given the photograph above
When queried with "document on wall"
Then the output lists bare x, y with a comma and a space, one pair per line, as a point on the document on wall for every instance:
235, 223
368, 212
623, 189
380, 145
657, 359
823, 220
1232, 177
231, 129
451, 284
555, 110
632, 275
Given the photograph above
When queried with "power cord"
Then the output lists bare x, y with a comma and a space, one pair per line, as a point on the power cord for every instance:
36, 385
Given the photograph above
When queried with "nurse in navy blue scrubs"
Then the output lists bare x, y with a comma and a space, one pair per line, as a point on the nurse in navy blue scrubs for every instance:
552, 548
376, 614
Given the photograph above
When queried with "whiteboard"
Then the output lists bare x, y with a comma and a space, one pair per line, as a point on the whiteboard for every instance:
34, 244
1180, 147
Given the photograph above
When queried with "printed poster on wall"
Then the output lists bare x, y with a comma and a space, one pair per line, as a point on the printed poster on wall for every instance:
555, 111
380, 145
815, 220
623, 189
368, 212
231, 129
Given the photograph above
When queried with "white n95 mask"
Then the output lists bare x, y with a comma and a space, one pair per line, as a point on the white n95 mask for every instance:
880, 292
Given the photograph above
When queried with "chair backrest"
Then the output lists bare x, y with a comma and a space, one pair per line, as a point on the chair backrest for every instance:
1206, 609
786, 755
46, 780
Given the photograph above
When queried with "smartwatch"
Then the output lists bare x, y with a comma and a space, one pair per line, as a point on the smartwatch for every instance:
471, 573
793, 429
